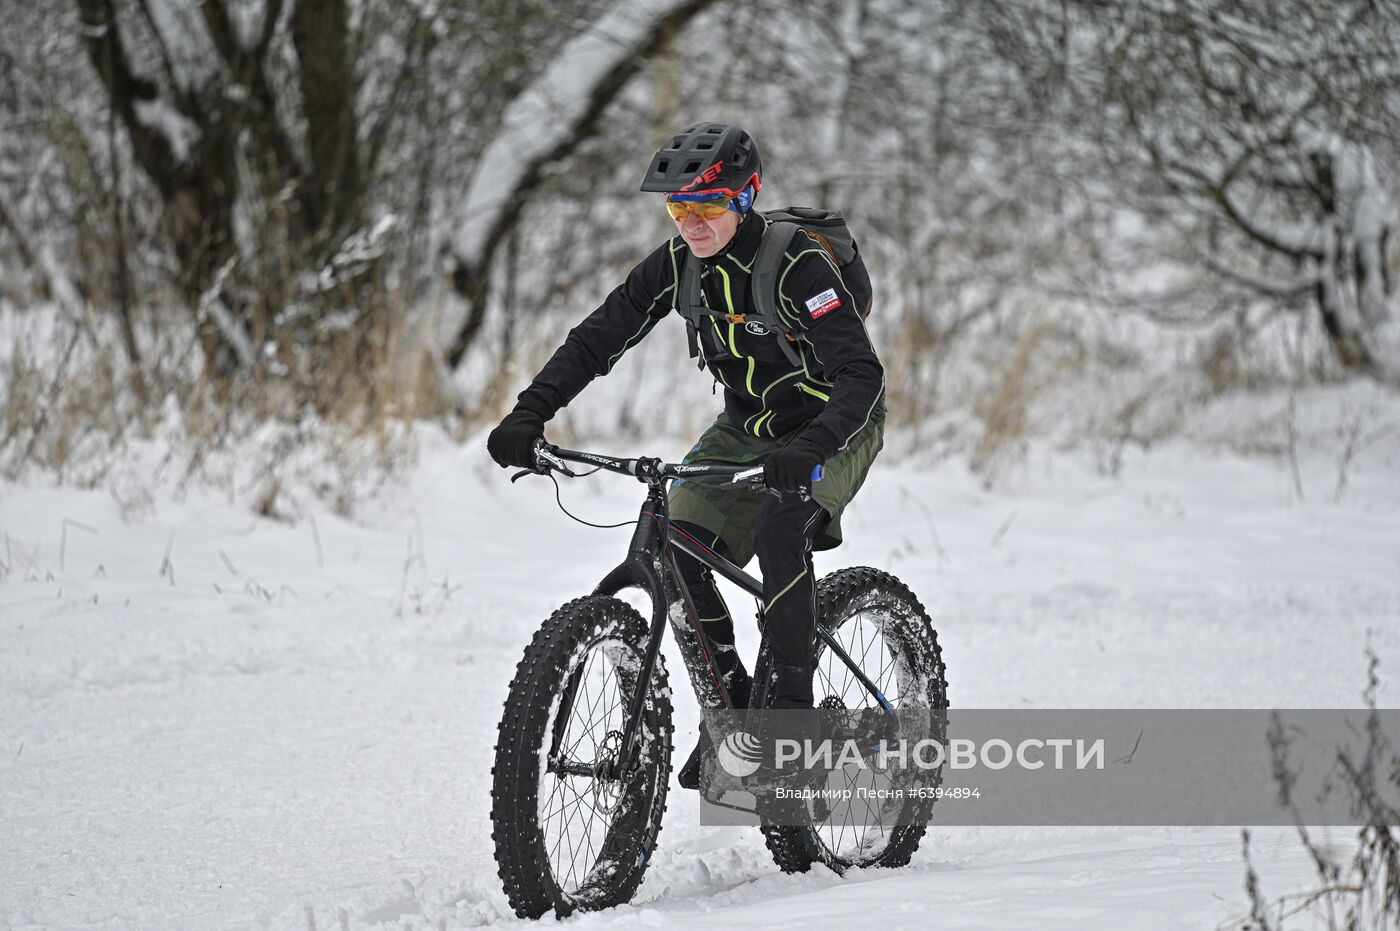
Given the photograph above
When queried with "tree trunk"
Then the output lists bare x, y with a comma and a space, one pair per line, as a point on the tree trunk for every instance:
196, 184
333, 192
201, 144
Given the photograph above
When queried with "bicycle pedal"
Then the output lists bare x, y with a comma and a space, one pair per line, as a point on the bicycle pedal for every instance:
766, 780
715, 781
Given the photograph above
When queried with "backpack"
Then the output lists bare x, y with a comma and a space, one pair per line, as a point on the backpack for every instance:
827, 228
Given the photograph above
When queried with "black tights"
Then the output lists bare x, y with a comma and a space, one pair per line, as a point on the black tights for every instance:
783, 543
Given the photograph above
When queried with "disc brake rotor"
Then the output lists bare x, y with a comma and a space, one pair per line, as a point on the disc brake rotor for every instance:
607, 792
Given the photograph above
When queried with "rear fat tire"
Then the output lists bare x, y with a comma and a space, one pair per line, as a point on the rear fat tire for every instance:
524, 860
840, 596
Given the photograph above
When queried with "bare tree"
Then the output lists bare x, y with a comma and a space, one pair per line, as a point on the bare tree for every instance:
1255, 131
206, 128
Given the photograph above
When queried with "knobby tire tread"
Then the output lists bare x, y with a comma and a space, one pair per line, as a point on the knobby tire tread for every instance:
523, 736
796, 847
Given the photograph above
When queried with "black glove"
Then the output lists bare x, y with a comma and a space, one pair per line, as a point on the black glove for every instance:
513, 442
790, 468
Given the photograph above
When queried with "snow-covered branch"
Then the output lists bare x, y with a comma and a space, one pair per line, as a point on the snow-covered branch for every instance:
542, 124
190, 55
1286, 289
1297, 240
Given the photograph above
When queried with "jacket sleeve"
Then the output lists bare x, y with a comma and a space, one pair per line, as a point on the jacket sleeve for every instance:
594, 346
815, 304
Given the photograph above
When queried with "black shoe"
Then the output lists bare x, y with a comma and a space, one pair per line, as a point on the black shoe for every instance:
689, 775
785, 721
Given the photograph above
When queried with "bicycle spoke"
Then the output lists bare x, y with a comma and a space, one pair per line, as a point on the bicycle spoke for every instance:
573, 819
865, 651
580, 693
567, 834
567, 831
580, 801
875, 642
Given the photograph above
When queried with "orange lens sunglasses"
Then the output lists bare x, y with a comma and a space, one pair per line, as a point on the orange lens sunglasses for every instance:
711, 208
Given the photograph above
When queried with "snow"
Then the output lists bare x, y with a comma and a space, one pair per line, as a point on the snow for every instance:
359, 248
180, 28
1370, 215
214, 720
247, 18
211, 305
177, 129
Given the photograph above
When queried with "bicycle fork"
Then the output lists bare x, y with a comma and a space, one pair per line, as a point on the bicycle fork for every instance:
651, 567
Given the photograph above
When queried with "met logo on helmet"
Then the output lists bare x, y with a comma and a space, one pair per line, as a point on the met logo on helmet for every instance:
706, 176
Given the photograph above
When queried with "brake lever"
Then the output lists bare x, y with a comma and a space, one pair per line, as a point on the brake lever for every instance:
546, 462
755, 477
555, 463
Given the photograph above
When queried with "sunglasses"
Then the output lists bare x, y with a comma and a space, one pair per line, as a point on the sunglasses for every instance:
709, 207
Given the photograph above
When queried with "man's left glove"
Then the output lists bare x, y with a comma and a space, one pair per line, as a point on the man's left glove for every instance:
513, 442
790, 468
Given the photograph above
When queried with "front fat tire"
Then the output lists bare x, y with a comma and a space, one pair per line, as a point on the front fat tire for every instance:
524, 861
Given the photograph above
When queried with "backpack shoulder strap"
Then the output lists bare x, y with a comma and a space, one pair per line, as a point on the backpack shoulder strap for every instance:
690, 304
766, 266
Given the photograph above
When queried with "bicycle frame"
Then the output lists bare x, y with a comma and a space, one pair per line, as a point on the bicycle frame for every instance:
650, 566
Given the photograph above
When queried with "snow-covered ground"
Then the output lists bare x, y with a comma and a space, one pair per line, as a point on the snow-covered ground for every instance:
209, 719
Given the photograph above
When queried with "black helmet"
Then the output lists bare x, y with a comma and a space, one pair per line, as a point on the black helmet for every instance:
706, 157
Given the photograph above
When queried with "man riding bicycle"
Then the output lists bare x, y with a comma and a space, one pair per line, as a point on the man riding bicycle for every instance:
819, 400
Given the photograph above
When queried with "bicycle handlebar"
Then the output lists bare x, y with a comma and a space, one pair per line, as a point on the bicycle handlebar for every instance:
553, 458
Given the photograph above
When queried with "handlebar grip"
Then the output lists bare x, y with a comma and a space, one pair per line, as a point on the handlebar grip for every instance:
817, 472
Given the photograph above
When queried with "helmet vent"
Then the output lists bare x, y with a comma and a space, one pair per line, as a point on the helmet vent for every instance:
704, 144
692, 167
663, 166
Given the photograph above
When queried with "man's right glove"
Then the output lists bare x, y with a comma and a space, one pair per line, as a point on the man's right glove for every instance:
789, 467
512, 444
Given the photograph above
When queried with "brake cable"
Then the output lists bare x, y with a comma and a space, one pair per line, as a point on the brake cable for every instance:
559, 499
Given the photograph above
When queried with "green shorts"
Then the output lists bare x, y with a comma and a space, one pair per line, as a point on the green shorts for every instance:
732, 513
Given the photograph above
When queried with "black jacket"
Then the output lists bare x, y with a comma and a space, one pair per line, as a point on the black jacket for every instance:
834, 392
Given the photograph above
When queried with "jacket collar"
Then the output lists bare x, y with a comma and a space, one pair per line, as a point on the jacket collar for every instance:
744, 246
